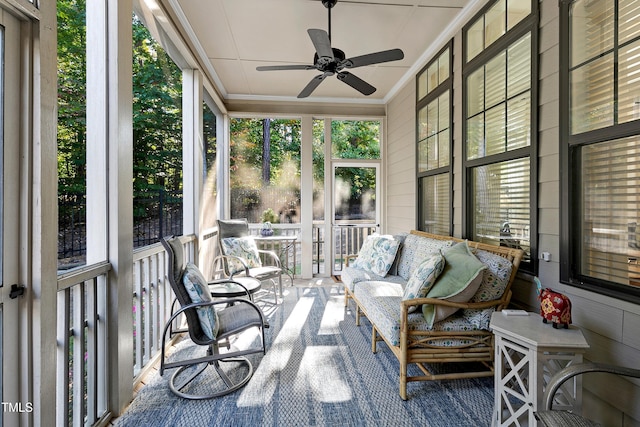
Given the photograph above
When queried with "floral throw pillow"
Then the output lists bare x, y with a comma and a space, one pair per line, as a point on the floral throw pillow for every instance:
377, 254
241, 247
496, 276
423, 278
198, 290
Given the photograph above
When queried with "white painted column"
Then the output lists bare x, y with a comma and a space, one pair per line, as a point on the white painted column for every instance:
328, 200
306, 198
41, 240
120, 197
223, 161
192, 150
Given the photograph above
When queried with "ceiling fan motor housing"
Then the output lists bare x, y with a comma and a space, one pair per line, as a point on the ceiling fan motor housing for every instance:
329, 64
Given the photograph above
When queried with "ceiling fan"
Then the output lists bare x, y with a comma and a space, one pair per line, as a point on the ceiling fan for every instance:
330, 60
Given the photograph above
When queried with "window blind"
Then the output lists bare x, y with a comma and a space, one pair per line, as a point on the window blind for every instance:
435, 197
501, 200
611, 210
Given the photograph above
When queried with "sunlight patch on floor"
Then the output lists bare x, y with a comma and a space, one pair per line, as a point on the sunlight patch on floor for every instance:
316, 281
319, 375
332, 316
247, 339
260, 389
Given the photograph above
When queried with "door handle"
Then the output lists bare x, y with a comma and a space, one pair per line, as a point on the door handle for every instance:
16, 291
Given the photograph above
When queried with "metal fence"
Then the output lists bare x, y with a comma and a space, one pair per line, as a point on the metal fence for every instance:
156, 214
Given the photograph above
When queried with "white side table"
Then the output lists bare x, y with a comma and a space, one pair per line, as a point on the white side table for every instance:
527, 353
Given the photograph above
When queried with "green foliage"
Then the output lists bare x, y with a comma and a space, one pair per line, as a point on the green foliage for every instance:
71, 96
351, 139
247, 149
269, 216
157, 115
355, 139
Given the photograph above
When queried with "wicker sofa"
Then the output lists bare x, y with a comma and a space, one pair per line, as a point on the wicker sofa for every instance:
463, 336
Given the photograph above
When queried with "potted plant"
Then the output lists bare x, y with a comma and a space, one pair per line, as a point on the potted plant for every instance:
267, 229
268, 218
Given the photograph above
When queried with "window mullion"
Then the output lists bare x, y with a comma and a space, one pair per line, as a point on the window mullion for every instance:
616, 14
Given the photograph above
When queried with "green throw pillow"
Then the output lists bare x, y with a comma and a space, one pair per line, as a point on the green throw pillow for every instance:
459, 281
423, 278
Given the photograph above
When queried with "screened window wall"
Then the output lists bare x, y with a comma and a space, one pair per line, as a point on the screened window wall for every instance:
157, 140
210, 203
499, 126
603, 145
72, 133
157, 137
264, 174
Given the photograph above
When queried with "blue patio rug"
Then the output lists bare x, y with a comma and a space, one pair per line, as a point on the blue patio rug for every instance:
318, 371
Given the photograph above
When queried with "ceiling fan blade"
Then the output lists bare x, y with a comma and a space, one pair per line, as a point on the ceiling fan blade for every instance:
285, 67
372, 58
321, 42
356, 82
312, 85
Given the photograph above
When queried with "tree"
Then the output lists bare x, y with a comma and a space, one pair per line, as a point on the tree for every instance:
71, 98
157, 115
157, 118
264, 177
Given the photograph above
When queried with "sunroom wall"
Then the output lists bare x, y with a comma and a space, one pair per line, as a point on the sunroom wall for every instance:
611, 326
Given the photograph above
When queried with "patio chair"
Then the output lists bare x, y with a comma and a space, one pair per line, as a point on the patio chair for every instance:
551, 418
240, 255
208, 326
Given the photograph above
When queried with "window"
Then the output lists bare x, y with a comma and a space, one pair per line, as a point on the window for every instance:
318, 170
209, 200
601, 149
72, 133
209, 141
500, 125
157, 140
265, 169
499, 18
433, 111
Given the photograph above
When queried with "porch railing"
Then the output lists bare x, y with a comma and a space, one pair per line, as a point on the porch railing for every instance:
82, 345
82, 330
82, 383
152, 300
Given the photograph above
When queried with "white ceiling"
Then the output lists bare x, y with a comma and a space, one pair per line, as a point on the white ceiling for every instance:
238, 35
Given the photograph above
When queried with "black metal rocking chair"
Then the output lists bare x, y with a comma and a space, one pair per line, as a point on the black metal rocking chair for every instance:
235, 316
270, 270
